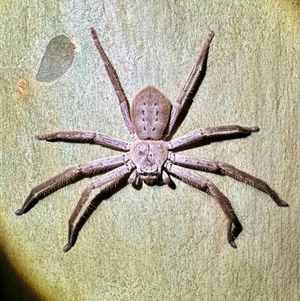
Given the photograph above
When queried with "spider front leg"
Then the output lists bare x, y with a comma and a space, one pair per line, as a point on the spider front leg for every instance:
70, 176
79, 215
123, 102
224, 132
234, 227
225, 169
85, 137
192, 84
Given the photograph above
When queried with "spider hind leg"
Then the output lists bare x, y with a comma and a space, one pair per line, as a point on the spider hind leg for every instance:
70, 176
108, 183
234, 227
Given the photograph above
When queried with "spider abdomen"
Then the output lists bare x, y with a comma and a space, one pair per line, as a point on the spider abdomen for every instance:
150, 112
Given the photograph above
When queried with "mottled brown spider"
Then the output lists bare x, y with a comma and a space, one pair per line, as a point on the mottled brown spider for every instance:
151, 156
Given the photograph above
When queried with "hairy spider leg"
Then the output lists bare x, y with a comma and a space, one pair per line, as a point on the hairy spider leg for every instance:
224, 169
192, 84
123, 102
78, 217
219, 131
85, 137
234, 226
69, 176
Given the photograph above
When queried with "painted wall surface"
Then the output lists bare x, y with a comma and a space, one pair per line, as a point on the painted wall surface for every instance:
155, 243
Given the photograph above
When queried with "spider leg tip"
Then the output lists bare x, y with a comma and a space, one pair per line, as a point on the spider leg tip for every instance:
94, 33
19, 212
255, 128
67, 247
283, 204
211, 34
233, 244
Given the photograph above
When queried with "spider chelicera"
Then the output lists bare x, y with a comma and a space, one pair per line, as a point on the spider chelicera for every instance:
152, 156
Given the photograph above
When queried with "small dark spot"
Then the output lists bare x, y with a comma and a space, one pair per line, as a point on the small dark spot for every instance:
144, 128
153, 129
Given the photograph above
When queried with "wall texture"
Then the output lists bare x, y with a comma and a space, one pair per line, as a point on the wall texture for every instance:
156, 243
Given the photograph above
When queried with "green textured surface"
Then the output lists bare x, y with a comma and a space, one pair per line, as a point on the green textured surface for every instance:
153, 244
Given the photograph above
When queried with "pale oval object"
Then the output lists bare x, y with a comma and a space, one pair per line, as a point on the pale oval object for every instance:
57, 59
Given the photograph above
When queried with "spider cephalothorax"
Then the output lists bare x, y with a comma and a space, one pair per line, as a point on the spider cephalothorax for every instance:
151, 157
